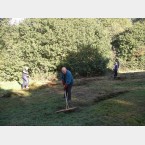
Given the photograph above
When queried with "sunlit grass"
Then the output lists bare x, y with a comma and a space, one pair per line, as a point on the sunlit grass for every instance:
124, 102
10, 85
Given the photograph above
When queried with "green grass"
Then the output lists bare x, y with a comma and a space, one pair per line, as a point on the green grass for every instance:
37, 107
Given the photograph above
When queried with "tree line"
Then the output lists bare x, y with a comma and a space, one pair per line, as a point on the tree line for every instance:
88, 46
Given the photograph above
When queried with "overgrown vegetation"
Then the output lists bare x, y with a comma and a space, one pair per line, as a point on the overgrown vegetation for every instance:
45, 44
130, 46
88, 47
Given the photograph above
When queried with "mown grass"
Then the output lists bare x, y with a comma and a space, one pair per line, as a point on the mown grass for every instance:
37, 107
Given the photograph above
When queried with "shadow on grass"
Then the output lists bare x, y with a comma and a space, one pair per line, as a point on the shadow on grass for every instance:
37, 105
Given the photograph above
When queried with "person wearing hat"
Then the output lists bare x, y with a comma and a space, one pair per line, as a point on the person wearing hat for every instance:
25, 77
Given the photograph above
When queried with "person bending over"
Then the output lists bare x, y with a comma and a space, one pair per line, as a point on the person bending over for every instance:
67, 81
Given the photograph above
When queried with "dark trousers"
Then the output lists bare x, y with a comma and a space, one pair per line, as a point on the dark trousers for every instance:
115, 73
68, 92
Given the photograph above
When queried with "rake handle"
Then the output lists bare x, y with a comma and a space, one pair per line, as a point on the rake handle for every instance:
67, 106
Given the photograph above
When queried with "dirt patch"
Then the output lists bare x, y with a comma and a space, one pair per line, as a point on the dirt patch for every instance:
6, 95
35, 86
110, 95
86, 96
84, 81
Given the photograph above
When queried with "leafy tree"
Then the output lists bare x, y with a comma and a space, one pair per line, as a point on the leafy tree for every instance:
130, 46
44, 44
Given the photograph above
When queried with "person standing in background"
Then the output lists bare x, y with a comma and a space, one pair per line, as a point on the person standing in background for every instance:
25, 77
115, 69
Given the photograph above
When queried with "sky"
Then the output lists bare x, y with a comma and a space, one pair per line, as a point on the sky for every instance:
16, 20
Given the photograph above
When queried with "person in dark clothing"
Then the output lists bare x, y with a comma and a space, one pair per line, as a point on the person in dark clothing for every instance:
115, 69
67, 81
25, 77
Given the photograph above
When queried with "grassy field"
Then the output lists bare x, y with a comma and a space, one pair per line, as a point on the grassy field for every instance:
101, 101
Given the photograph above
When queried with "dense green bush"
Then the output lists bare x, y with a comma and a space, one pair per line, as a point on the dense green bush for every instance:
44, 44
85, 62
130, 46
116, 25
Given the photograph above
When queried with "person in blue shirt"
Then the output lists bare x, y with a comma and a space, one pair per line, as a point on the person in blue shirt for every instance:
67, 81
115, 69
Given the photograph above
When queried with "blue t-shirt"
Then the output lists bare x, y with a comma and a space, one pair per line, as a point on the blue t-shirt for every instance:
67, 78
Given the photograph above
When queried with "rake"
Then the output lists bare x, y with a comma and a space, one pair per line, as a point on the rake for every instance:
67, 108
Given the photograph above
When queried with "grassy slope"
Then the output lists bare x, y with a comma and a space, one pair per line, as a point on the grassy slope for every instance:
38, 106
